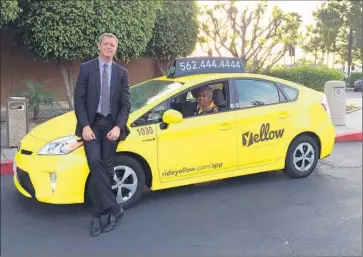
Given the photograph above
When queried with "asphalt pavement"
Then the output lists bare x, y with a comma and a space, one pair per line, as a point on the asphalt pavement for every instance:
264, 214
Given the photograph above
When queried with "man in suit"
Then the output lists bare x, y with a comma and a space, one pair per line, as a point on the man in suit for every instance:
102, 106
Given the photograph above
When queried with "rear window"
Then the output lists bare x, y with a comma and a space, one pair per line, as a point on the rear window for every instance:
290, 92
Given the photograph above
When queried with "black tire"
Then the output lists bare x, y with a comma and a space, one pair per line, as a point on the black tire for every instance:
140, 175
291, 169
355, 90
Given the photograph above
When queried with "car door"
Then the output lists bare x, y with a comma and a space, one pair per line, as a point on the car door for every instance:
263, 118
198, 146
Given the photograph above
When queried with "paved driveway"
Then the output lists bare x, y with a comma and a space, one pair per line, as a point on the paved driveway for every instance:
265, 214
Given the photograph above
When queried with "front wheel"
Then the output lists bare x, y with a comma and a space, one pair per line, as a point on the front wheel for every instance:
302, 157
129, 181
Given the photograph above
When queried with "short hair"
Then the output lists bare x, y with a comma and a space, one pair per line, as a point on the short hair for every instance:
106, 35
207, 88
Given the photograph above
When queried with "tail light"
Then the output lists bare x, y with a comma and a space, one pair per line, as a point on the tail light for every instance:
325, 104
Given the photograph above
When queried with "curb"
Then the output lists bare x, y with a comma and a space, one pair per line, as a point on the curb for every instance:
348, 137
354, 110
6, 167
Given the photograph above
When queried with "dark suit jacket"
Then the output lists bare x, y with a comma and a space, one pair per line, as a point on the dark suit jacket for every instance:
87, 96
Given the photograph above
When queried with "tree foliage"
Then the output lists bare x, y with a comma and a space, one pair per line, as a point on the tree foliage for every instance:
9, 11
69, 30
320, 38
331, 31
351, 12
240, 33
175, 33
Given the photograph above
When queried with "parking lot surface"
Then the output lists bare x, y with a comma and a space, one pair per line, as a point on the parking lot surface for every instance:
263, 214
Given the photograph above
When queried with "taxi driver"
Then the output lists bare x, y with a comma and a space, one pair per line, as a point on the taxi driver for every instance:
205, 101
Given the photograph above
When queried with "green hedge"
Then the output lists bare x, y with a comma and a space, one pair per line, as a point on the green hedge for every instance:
307, 75
354, 76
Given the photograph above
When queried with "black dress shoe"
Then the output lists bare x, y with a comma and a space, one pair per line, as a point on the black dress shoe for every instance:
96, 228
112, 221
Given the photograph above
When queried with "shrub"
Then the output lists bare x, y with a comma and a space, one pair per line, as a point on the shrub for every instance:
354, 76
38, 96
307, 75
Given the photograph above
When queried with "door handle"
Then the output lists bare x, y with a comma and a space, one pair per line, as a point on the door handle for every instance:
227, 128
225, 124
149, 139
284, 115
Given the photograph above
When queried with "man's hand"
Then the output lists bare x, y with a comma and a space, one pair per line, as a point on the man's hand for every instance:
88, 134
114, 133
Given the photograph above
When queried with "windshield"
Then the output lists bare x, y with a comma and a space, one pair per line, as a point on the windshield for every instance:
147, 92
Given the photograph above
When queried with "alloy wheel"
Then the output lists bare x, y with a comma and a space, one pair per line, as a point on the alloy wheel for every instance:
125, 183
303, 157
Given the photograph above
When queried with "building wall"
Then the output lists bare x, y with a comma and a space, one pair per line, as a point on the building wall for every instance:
18, 64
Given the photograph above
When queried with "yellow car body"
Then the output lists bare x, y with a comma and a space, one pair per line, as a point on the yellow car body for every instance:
172, 149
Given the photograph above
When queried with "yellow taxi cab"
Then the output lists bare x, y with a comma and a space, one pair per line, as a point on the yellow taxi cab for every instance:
257, 124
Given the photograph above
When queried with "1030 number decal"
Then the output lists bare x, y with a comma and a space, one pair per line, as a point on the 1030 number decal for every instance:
145, 131
194, 65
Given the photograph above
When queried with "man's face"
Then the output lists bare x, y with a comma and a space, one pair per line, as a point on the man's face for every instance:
205, 98
108, 47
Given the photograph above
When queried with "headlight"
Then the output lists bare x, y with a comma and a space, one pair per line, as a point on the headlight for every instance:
63, 145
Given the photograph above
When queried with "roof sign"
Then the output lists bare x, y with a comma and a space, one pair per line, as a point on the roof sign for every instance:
201, 65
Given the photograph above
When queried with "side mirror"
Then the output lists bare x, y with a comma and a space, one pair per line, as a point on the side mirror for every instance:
172, 116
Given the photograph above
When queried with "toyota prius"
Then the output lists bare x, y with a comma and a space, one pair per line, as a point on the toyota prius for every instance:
257, 124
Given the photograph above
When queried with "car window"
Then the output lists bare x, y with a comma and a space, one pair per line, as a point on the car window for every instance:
190, 106
190, 96
156, 114
256, 93
153, 116
187, 104
290, 92
150, 91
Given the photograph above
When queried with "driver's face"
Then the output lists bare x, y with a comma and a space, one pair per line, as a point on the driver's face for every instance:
205, 98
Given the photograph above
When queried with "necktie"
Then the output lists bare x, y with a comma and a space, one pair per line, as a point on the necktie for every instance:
105, 94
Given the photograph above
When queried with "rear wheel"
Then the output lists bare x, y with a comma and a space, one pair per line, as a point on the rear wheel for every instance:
302, 157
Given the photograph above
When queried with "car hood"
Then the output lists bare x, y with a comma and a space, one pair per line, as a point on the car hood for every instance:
63, 125
60, 126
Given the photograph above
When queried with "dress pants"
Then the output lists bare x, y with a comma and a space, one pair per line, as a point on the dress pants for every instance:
100, 153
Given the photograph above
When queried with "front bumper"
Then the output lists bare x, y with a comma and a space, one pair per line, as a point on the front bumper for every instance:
23, 183
50, 179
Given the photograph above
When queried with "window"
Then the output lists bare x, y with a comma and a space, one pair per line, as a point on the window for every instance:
149, 91
153, 116
256, 93
187, 104
290, 92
